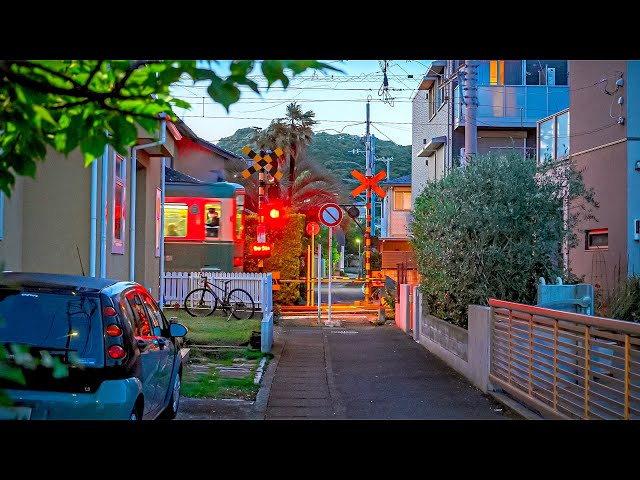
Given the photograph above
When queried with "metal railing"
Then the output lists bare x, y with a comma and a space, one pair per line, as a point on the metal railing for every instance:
566, 365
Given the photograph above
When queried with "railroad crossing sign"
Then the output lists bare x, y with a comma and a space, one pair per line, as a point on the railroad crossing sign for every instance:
262, 160
330, 214
368, 182
313, 228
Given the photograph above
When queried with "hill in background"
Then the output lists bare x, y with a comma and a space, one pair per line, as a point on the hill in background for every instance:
338, 153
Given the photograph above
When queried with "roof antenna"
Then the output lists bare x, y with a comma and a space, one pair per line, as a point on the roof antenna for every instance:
80, 258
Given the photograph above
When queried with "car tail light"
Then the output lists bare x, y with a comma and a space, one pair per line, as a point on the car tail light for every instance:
237, 261
109, 311
116, 351
114, 330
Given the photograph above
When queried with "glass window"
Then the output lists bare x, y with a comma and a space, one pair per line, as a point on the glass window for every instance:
160, 326
212, 220
597, 239
66, 324
545, 141
239, 217
503, 72
401, 200
141, 324
119, 204
562, 135
537, 72
175, 220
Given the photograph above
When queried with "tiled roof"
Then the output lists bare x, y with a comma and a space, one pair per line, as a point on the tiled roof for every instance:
171, 175
405, 180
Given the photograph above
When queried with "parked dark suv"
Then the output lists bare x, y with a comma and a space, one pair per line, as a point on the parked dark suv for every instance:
122, 356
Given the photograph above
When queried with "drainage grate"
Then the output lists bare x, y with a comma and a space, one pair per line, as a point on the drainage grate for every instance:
344, 332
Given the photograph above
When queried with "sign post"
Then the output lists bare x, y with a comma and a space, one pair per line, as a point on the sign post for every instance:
330, 214
312, 229
319, 281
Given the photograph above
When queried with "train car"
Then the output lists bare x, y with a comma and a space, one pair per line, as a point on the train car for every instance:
203, 226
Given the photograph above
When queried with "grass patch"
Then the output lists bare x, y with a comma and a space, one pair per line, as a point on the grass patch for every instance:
214, 330
211, 385
217, 331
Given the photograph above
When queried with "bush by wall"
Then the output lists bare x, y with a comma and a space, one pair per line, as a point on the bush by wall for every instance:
491, 229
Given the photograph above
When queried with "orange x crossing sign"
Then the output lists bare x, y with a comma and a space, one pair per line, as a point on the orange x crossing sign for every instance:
368, 182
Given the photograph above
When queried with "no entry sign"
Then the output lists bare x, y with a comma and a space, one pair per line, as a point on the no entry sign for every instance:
330, 214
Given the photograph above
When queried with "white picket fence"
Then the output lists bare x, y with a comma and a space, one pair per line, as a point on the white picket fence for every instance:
259, 285
178, 284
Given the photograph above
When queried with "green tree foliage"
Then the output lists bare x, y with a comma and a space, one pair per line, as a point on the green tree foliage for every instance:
334, 152
287, 248
87, 104
492, 229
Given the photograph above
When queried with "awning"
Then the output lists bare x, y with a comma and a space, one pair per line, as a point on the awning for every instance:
431, 147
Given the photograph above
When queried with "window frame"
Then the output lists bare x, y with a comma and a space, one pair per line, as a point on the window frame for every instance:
589, 234
118, 244
395, 202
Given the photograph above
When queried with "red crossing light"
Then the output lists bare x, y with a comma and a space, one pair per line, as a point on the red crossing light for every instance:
260, 249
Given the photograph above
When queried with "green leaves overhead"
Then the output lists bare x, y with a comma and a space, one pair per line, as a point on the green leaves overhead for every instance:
68, 104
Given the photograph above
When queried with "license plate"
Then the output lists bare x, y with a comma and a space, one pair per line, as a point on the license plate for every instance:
15, 413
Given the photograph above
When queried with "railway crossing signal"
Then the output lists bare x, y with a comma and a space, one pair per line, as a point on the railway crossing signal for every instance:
262, 161
368, 182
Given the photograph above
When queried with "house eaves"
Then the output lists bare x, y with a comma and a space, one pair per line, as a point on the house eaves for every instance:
434, 144
435, 69
400, 181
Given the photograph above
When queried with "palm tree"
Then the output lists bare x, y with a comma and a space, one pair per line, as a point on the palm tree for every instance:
291, 133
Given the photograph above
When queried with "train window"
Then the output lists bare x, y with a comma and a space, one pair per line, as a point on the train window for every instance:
239, 217
212, 220
175, 220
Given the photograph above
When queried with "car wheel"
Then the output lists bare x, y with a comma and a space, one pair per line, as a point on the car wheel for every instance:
171, 411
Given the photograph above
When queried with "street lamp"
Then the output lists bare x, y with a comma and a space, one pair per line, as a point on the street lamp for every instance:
359, 259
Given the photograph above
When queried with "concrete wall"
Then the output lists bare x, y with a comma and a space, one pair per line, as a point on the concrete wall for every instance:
423, 129
605, 168
199, 162
466, 351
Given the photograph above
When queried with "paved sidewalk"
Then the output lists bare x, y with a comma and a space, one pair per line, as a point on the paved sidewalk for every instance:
358, 371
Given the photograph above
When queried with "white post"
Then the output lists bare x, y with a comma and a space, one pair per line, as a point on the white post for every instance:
330, 276
319, 281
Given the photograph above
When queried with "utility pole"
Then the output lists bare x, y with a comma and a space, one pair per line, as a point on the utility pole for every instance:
372, 162
384, 211
470, 111
369, 219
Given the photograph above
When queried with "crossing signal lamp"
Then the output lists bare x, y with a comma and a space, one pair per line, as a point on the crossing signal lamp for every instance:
260, 249
274, 214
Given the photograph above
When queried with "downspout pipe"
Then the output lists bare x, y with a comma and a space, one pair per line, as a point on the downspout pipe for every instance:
162, 186
94, 218
132, 212
103, 220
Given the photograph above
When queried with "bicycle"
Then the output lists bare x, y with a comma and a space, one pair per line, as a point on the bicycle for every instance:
203, 301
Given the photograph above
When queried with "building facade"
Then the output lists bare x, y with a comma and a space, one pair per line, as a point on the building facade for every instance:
604, 137
511, 96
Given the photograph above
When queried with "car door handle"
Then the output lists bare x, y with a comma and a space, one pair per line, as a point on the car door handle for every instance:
142, 344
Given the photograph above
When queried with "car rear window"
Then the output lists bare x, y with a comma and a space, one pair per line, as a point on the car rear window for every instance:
66, 324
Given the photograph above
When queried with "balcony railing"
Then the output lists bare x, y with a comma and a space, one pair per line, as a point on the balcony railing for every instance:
514, 105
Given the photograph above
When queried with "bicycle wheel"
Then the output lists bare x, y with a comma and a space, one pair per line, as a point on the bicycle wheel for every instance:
241, 304
200, 302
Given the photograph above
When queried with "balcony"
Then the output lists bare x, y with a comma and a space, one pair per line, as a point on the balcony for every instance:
514, 105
